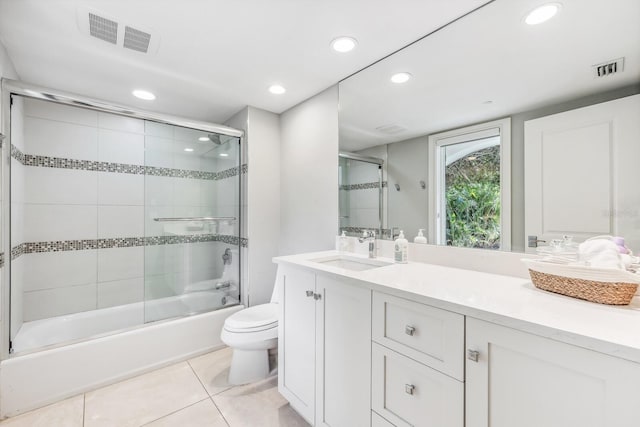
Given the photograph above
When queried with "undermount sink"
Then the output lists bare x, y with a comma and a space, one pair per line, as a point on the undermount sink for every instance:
351, 262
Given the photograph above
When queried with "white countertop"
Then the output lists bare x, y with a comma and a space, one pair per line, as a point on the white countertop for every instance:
509, 301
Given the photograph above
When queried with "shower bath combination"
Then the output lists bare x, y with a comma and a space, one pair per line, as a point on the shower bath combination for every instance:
116, 223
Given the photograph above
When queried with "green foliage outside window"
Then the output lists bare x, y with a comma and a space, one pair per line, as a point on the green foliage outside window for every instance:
473, 200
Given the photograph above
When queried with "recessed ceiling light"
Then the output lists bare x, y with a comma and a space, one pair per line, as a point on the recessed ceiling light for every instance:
277, 89
344, 44
224, 154
188, 150
542, 13
401, 77
143, 94
204, 139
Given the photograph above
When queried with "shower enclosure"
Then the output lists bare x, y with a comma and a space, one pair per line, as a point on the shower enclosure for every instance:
360, 194
114, 219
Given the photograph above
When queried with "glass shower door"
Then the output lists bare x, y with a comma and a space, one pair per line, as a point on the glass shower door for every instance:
192, 221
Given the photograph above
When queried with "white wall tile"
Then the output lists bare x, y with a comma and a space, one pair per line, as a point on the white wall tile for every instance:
17, 224
59, 222
159, 286
120, 221
158, 190
162, 259
122, 123
57, 302
65, 186
158, 129
186, 192
158, 152
120, 189
120, 147
59, 269
120, 292
17, 294
120, 263
208, 192
185, 160
58, 139
17, 181
156, 228
62, 113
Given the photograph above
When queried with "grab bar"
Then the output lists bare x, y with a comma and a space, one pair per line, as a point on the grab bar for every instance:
197, 218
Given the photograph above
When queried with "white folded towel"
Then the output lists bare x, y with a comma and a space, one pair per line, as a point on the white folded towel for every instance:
601, 253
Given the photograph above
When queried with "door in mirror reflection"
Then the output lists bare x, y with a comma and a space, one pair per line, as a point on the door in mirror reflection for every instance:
468, 182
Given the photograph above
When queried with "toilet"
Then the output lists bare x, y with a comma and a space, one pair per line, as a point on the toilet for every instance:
252, 333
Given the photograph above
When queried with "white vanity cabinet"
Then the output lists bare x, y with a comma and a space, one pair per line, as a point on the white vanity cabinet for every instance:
324, 348
417, 363
524, 380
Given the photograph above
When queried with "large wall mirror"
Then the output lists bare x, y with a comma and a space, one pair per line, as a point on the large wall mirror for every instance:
502, 132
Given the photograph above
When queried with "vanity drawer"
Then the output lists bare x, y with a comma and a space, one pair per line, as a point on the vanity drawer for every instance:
427, 334
408, 393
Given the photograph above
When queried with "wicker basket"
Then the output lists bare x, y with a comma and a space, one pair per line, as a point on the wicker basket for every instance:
612, 293
601, 285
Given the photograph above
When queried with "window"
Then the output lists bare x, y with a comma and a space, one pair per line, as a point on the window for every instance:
470, 203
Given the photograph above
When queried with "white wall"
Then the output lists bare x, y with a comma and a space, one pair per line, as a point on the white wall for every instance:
309, 174
261, 200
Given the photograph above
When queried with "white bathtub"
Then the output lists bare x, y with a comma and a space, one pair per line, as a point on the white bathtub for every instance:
72, 327
37, 378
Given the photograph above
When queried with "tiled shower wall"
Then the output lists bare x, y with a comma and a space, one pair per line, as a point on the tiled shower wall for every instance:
98, 205
360, 194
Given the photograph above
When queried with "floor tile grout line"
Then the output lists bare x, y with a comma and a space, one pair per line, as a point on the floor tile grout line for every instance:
219, 411
176, 411
198, 378
205, 388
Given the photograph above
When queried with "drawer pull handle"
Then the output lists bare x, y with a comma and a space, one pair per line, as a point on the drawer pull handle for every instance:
409, 330
409, 388
473, 355
309, 293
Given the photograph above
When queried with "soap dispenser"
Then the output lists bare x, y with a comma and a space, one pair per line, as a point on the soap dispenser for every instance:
420, 237
343, 245
401, 246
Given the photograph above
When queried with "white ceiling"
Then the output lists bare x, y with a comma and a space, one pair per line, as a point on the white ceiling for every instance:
214, 56
491, 55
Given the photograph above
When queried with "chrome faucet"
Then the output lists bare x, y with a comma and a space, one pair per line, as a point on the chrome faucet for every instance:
369, 236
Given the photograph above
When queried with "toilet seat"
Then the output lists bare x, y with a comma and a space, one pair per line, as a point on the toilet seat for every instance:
253, 319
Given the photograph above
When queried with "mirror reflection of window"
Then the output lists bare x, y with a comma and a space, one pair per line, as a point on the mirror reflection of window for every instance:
469, 187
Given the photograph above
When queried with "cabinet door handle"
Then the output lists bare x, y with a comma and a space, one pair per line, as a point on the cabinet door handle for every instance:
409, 330
310, 293
473, 355
409, 388
317, 296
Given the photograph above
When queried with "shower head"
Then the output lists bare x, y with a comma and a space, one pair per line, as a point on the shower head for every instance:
215, 138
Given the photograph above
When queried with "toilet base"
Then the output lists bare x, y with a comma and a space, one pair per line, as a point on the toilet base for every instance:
248, 366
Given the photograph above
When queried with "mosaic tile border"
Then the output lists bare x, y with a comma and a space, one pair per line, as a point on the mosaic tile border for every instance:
363, 186
386, 232
90, 165
121, 242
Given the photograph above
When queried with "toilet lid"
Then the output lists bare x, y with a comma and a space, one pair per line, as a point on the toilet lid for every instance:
259, 316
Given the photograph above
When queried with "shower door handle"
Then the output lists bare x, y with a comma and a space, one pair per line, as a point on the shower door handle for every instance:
309, 293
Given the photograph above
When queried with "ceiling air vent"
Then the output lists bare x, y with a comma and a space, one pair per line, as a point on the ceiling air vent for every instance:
136, 39
391, 129
608, 68
103, 28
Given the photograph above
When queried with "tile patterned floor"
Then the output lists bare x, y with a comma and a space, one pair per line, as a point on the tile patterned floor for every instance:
194, 393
